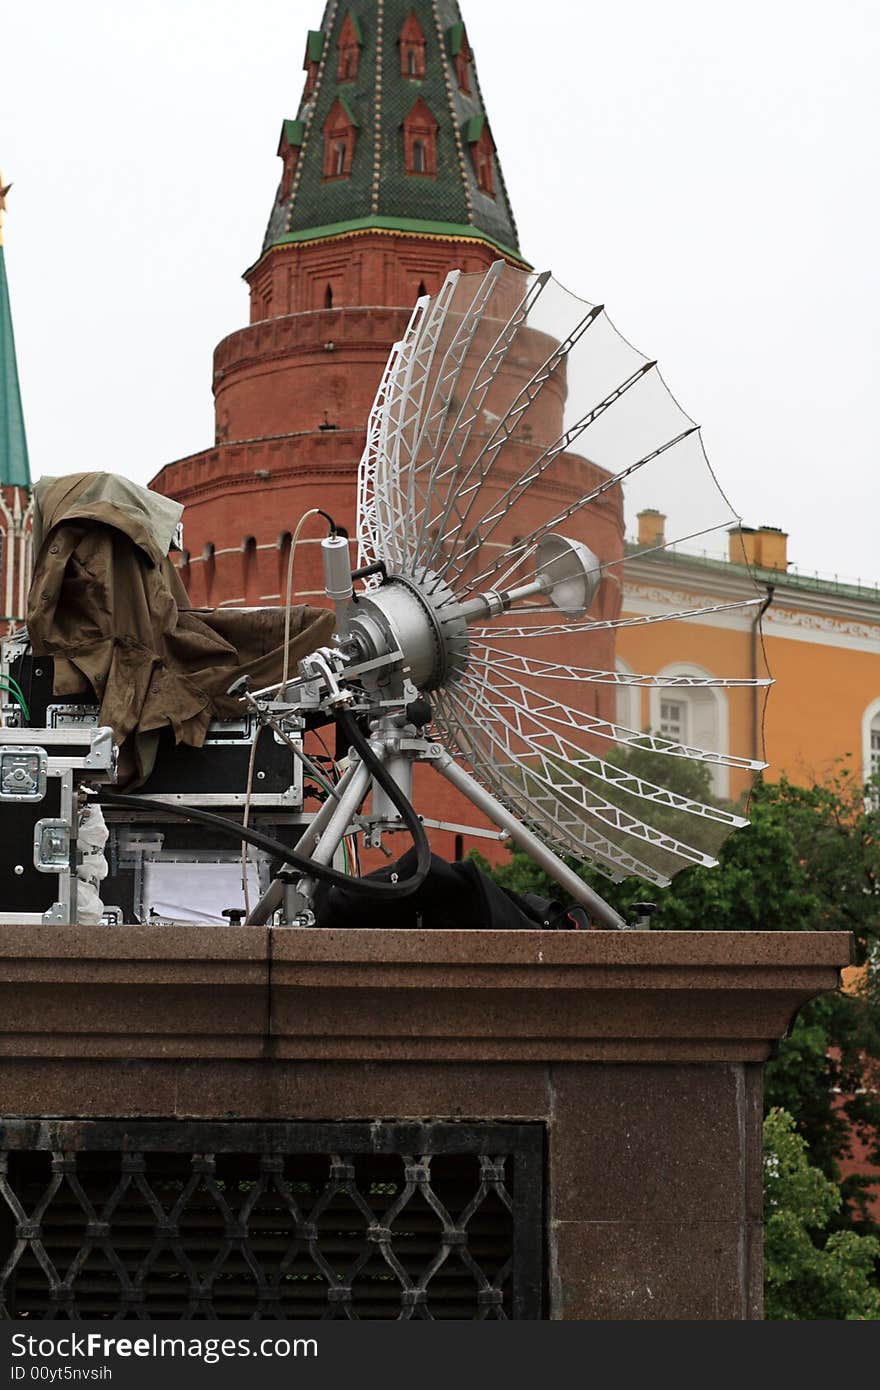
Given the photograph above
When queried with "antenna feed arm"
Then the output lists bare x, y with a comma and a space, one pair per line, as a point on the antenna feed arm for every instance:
484, 606
566, 572
494, 602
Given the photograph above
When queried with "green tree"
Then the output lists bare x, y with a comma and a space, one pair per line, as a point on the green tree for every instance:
809, 860
809, 1272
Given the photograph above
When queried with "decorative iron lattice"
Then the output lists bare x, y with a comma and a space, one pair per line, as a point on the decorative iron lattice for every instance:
106, 1219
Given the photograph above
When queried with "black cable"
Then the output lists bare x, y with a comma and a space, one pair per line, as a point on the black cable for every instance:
366, 887
356, 739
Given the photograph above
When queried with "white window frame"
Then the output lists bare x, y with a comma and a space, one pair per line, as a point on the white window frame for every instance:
871, 714
680, 700
628, 704
720, 772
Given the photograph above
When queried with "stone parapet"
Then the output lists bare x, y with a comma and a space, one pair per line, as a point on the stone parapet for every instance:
640, 1053
251, 993
308, 333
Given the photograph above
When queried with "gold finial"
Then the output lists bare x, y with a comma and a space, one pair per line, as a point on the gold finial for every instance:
4, 189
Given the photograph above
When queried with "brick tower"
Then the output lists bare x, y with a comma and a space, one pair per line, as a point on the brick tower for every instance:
389, 181
15, 477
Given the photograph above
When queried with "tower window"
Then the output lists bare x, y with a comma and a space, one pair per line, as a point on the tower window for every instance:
479, 137
412, 60
339, 140
349, 49
460, 52
209, 570
289, 169
463, 73
289, 147
485, 170
486, 174
328, 297
249, 573
412, 47
312, 60
420, 140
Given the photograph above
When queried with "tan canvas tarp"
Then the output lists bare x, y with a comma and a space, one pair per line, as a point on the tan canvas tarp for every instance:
108, 604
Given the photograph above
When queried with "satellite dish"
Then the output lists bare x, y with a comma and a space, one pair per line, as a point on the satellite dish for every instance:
514, 437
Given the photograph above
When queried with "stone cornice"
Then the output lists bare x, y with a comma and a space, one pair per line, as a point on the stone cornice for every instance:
406, 228
730, 583
71, 993
307, 334
182, 480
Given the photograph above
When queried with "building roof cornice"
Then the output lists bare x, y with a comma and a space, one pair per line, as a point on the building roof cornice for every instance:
733, 582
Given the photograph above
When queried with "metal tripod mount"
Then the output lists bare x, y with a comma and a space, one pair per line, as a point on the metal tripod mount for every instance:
394, 643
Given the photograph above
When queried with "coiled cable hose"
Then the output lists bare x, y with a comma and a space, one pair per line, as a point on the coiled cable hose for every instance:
365, 887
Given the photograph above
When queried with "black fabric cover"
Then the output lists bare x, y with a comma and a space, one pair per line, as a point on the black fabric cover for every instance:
454, 897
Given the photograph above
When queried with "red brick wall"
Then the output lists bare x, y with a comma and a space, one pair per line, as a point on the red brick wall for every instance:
299, 366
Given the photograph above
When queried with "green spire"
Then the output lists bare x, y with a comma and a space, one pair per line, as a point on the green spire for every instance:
14, 468
392, 131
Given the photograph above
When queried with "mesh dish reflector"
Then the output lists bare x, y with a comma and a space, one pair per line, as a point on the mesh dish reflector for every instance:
514, 429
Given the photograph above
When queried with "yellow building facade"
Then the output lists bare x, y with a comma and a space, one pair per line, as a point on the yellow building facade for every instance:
818, 639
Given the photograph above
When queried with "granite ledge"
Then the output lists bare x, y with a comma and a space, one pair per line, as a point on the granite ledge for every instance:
288, 995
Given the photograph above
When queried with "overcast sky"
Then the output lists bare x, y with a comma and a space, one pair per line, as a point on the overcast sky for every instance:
707, 172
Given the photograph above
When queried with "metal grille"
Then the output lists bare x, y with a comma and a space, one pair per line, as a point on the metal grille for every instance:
104, 1219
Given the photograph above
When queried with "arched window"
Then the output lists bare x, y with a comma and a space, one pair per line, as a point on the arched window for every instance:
209, 567
674, 718
478, 135
420, 140
461, 56
629, 700
422, 291
183, 569
871, 752
412, 47
486, 171
312, 60
340, 130
284, 542
249, 570
349, 47
289, 146
875, 762
328, 297
695, 715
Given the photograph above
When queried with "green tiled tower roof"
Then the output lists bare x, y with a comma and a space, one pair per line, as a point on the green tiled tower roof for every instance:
14, 466
378, 192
